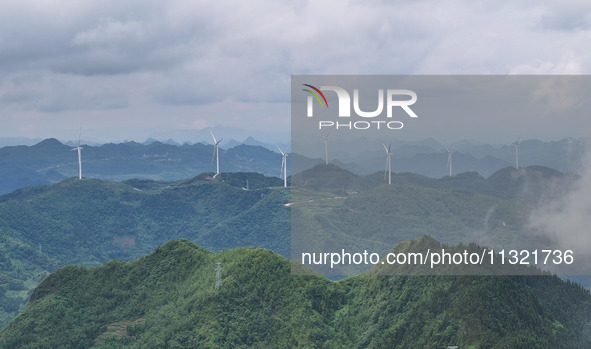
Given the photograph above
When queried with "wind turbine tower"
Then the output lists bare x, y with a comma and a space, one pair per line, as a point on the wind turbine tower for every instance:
388, 163
79, 148
216, 153
284, 166
516, 145
325, 146
218, 275
449, 159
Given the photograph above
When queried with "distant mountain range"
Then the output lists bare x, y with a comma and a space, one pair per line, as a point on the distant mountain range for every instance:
429, 157
51, 161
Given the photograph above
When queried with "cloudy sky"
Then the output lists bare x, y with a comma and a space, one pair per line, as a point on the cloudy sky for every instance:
137, 69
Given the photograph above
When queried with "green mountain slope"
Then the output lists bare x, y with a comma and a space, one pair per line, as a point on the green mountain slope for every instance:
376, 219
168, 299
88, 222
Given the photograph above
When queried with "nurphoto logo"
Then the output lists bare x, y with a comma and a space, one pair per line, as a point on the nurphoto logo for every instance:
394, 98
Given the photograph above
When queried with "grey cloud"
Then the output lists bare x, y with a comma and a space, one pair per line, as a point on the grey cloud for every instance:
568, 16
47, 92
136, 54
98, 38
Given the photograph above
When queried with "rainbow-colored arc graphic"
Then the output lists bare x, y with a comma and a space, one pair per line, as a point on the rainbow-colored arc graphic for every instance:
315, 95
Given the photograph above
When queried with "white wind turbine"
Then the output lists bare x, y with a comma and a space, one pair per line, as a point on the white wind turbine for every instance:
283, 166
325, 145
216, 153
79, 148
449, 159
516, 145
388, 163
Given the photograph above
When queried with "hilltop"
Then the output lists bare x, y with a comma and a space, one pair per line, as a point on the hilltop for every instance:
508, 183
168, 299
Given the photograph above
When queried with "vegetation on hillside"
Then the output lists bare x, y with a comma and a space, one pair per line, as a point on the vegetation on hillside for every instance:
168, 299
88, 222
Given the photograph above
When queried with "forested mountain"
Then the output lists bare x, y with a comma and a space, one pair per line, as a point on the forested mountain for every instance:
89, 221
169, 299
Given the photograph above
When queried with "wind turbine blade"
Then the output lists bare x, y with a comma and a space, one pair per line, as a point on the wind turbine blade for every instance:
326, 136
386, 149
214, 140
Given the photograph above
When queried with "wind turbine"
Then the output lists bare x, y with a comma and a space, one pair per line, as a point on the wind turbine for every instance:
449, 159
516, 145
216, 153
79, 148
388, 163
325, 145
284, 166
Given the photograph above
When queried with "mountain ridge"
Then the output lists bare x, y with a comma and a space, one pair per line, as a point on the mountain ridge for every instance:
168, 298
50, 161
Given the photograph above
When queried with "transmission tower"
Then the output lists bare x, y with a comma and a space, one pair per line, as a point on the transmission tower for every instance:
218, 275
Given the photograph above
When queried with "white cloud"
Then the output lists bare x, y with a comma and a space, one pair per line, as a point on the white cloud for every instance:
565, 219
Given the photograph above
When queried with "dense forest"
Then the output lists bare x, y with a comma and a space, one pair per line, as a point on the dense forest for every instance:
169, 299
88, 222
